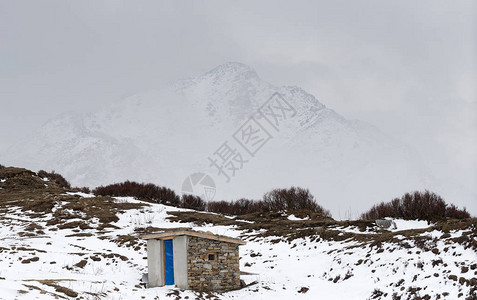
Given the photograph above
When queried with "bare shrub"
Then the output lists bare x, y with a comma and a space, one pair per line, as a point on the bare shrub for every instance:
246, 206
84, 189
237, 207
193, 202
55, 177
294, 198
417, 205
144, 191
220, 207
453, 212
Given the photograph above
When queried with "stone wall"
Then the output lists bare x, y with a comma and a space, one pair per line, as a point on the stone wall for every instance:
221, 274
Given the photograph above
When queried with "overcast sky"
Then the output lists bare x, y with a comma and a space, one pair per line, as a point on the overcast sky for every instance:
408, 67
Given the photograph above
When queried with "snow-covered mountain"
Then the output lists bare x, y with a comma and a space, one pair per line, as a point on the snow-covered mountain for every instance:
272, 137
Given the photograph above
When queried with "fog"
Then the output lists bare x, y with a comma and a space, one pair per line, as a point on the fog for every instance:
407, 67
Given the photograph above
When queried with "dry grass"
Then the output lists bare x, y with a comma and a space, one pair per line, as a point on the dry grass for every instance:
317, 227
42, 291
35, 197
58, 288
26, 190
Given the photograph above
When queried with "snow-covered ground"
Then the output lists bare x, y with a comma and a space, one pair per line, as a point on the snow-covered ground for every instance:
95, 266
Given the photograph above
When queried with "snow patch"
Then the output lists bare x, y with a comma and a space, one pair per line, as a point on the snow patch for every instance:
84, 195
294, 218
410, 224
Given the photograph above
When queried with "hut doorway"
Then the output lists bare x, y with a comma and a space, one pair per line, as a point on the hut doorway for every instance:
168, 262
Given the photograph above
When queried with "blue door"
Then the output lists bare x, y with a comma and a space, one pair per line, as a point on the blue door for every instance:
168, 262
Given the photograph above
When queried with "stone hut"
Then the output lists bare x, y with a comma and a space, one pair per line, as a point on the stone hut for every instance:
194, 260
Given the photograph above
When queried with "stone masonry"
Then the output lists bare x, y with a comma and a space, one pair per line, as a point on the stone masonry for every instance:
220, 274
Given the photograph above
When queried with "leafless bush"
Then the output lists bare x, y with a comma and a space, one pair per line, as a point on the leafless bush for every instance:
220, 207
237, 207
453, 212
84, 189
417, 205
294, 198
193, 202
55, 177
144, 191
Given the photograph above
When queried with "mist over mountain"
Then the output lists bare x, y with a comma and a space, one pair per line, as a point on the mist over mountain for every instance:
247, 134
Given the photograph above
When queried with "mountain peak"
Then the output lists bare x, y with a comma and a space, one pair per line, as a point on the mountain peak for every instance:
233, 69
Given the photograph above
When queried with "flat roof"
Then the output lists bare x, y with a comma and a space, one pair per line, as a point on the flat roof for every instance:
205, 235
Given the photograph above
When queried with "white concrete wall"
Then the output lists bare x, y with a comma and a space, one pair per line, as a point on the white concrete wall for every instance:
155, 263
180, 244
